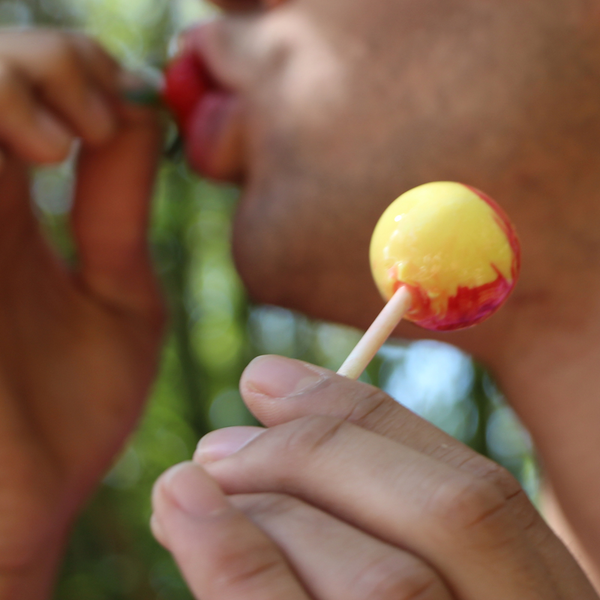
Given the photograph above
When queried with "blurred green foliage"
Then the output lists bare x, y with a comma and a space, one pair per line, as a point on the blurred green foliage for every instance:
215, 332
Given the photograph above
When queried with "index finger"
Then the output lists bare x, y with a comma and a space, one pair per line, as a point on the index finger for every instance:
271, 386
70, 74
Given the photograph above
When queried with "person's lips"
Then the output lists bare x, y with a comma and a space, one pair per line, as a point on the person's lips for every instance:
214, 136
208, 113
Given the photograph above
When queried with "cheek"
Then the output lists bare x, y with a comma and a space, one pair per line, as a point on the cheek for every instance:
301, 95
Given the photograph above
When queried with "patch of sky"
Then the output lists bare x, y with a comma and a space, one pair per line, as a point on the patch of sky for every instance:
433, 380
273, 330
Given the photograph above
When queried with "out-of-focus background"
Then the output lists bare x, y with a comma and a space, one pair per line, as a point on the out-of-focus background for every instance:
215, 332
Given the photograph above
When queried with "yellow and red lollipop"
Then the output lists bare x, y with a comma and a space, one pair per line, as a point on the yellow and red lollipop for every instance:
453, 247
445, 256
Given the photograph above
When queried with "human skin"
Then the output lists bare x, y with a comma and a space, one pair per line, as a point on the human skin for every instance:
347, 494
78, 347
403, 97
500, 95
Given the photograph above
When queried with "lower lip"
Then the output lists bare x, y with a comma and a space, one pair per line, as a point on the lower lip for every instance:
213, 137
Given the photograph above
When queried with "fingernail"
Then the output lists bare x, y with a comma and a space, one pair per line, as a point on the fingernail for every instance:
193, 491
225, 442
279, 377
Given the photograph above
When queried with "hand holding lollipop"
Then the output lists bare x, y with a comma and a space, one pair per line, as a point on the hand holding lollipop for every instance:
445, 256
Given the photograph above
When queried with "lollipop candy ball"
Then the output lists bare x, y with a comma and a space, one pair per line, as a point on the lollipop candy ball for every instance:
453, 248
184, 88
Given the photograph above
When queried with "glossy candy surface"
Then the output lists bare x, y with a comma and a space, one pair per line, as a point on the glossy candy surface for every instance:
184, 88
453, 247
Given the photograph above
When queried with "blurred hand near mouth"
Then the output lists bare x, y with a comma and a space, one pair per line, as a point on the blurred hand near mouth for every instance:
78, 346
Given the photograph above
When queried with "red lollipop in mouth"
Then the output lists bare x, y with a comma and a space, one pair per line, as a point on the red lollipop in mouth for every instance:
184, 88
208, 116
207, 112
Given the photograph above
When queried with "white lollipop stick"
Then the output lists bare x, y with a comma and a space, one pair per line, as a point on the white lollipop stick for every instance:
377, 335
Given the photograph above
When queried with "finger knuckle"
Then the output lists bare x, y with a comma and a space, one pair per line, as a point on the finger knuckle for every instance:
311, 435
373, 408
397, 578
467, 502
241, 569
63, 57
516, 501
487, 469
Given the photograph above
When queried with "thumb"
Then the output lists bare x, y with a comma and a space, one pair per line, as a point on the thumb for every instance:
220, 551
278, 390
110, 217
